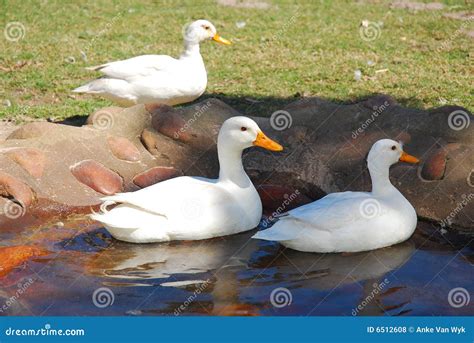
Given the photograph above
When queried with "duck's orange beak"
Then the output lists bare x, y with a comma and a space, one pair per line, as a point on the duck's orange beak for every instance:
221, 40
263, 141
408, 158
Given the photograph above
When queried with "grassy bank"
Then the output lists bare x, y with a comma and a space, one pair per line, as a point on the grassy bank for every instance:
422, 58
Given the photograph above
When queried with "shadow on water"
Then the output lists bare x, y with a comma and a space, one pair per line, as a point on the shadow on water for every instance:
236, 275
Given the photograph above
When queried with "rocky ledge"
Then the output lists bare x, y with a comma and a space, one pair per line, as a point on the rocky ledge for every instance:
50, 169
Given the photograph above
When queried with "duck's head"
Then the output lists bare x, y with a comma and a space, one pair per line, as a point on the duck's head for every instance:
386, 152
242, 132
201, 30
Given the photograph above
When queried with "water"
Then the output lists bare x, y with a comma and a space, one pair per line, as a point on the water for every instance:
233, 275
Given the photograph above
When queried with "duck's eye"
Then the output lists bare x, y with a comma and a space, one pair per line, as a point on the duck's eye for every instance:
206, 27
243, 128
394, 147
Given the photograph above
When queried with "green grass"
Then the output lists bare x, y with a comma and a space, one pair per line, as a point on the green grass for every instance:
308, 48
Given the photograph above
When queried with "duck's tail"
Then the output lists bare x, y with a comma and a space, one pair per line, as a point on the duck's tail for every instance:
277, 232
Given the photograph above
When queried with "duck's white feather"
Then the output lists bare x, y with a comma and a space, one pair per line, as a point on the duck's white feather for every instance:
192, 208
136, 66
181, 208
155, 78
349, 221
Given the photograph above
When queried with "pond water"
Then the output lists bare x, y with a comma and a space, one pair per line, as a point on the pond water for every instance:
89, 273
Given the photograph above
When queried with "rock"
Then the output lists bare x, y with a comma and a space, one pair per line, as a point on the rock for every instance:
435, 165
123, 149
169, 123
326, 145
379, 102
11, 186
32, 160
97, 177
155, 175
6, 129
280, 198
32, 130
14, 256
104, 119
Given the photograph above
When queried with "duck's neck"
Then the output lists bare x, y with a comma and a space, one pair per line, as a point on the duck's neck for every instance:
230, 164
381, 184
191, 49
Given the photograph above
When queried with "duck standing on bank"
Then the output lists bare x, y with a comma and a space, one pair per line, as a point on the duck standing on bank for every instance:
352, 221
157, 78
193, 208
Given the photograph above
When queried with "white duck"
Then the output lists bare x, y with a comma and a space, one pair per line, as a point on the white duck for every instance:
193, 208
352, 221
157, 78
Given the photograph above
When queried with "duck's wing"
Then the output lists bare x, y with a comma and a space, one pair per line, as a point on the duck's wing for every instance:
333, 212
163, 197
140, 66
336, 210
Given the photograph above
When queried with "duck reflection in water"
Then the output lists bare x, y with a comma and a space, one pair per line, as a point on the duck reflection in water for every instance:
233, 275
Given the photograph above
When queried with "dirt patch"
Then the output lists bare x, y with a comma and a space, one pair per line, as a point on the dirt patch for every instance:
262, 5
464, 15
417, 6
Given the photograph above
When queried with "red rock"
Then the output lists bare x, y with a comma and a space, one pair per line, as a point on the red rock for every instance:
276, 197
12, 257
153, 107
10, 186
149, 141
97, 177
166, 121
404, 137
155, 175
435, 166
123, 149
32, 160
